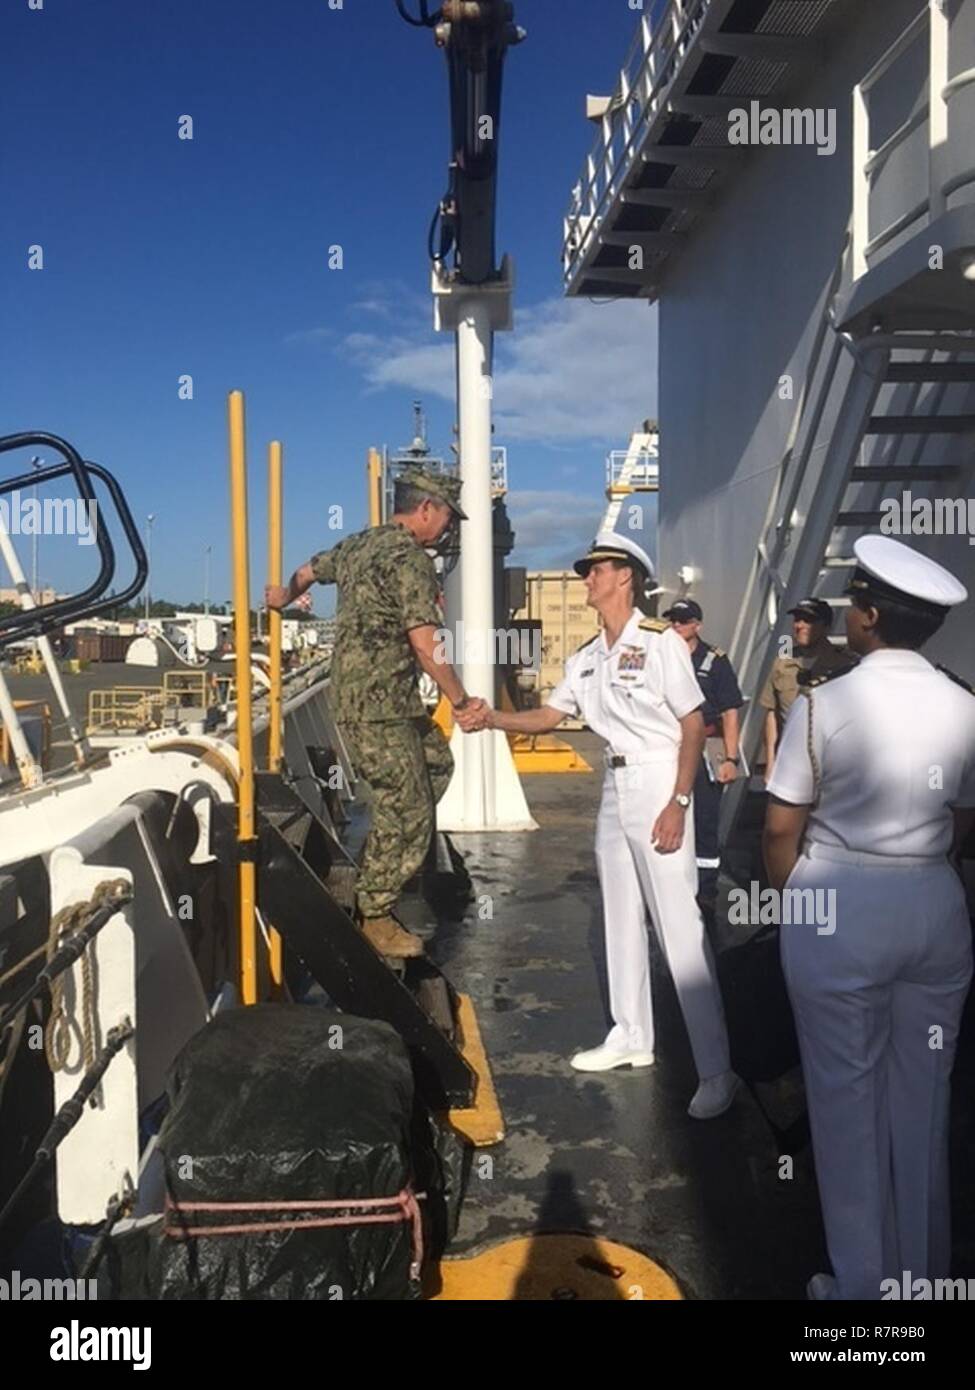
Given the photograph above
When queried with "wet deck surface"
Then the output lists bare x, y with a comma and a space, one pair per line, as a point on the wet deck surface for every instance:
615, 1154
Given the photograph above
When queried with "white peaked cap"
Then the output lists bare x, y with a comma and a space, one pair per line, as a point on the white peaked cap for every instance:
614, 545
899, 568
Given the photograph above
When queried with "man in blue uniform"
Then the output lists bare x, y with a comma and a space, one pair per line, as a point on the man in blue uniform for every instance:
722, 701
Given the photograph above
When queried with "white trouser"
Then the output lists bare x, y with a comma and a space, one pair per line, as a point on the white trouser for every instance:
636, 878
878, 1004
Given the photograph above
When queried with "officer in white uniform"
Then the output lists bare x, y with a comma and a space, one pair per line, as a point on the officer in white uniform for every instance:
638, 691
873, 775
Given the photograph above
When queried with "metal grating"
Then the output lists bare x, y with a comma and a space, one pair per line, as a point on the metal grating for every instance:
753, 77
714, 74
714, 131
794, 18
690, 177
683, 221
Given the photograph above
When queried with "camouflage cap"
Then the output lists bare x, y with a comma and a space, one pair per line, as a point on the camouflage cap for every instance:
442, 486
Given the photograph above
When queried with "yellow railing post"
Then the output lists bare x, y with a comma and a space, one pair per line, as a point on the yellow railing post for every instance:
275, 564
245, 732
375, 476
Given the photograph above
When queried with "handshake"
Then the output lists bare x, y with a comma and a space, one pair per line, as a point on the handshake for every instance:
473, 715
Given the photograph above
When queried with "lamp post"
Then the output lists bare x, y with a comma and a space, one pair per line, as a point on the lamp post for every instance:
206, 578
149, 520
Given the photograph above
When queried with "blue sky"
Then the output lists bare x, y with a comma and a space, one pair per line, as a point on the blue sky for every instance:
313, 127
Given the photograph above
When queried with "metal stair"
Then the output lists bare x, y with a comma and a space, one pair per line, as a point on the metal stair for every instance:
635, 469
862, 431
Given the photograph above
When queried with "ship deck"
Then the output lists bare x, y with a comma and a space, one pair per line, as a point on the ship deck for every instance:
615, 1154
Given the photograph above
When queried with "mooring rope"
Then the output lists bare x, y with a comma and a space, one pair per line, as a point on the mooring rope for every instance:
57, 1036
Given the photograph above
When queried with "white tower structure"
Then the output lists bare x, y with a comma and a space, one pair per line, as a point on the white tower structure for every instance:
485, 792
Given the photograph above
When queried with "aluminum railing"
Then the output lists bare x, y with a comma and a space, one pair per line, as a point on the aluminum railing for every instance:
932, 25
663, 37
499, 470
627, 468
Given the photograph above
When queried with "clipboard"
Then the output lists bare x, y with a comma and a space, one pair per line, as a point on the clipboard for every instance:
714, 757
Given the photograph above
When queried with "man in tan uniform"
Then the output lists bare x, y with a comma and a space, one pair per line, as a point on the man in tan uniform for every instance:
812, 655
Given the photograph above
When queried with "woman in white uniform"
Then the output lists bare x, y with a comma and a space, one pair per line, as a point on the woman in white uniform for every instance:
874, 784
634, 685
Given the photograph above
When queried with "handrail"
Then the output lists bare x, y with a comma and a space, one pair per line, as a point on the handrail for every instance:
960, 80
959, 180
913, 123
899, 47
36, 621
26, 621
602, 153
933, 24
900, 224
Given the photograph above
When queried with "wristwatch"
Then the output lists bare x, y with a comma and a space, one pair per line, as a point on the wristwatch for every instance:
682, 801
462, 704
735, 761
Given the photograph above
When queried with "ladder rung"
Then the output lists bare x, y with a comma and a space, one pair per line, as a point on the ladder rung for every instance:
921, 424
931, 371
708, 156
666, 197
840, 562
703, 107
904, 472
858, 519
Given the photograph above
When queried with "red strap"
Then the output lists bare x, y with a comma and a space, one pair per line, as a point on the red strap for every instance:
405, 1206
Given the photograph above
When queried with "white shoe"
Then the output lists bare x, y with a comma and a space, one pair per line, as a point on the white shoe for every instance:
714, 1096
605, 1058
821, 1288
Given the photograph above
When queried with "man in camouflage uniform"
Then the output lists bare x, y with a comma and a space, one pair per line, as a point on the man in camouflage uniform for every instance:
388, 616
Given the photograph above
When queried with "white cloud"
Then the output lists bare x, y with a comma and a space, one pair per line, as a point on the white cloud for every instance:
571, 371
577, 371
393, 299
306, 336
552, 529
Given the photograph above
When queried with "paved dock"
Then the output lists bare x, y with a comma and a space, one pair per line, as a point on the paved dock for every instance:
728, 1206
78, 687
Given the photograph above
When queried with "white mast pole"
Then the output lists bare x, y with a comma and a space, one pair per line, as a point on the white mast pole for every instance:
485, 792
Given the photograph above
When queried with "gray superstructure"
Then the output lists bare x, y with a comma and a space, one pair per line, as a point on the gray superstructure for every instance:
816, 299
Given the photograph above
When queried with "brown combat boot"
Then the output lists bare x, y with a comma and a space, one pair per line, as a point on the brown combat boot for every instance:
390, 939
